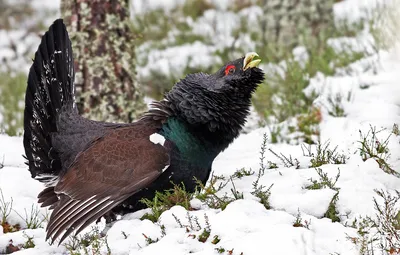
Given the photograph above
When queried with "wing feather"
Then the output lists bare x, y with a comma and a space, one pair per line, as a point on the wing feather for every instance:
113, 168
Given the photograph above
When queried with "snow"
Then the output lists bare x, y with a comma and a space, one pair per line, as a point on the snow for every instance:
359, 9
174, 59
216, 26
245, 225
25, 42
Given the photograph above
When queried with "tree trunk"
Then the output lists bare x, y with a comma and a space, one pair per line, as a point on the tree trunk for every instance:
104, 52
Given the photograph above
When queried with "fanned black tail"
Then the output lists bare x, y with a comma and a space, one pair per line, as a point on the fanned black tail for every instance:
50, 87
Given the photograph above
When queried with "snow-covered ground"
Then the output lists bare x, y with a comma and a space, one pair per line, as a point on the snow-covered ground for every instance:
245, 225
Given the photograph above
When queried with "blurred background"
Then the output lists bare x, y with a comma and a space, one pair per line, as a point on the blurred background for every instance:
128, 53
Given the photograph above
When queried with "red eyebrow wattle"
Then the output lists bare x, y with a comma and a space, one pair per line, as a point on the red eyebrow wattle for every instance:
228, 68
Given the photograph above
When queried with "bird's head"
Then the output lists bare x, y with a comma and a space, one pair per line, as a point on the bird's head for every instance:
240, 75
220, 101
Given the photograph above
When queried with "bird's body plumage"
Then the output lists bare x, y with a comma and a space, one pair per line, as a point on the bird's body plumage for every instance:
91, 167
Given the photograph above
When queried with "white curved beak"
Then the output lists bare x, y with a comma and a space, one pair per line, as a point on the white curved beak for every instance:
249, 61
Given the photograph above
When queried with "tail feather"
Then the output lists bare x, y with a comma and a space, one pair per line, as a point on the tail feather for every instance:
50, 88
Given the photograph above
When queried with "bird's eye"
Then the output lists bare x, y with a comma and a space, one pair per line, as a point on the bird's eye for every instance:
230, 69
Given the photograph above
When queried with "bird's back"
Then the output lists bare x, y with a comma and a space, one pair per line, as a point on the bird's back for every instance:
75, 133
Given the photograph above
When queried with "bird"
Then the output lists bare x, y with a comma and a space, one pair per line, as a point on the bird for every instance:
91, 168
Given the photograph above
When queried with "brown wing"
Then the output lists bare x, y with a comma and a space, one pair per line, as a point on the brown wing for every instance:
113, 168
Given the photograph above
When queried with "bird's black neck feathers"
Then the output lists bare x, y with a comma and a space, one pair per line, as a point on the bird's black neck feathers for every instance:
216, 113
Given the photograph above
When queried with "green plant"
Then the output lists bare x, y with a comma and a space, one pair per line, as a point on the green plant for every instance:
11, 248
335, 107
236, 194
275, 133
5, 211
272, 165
29, 242
324, 181
332, 213
91, 243
205, 234
260, 191
242, 172
324, 155
387, 221
216, 239
12, 89
282, 96
298, 222
149, 240
5, 207
32, 220
208, 194
372, 147
163, 201
220, 250
382, 231
261, 169
395, 130
308, 125
193, 224
263, 149
287, 161
263, 194
364, 241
